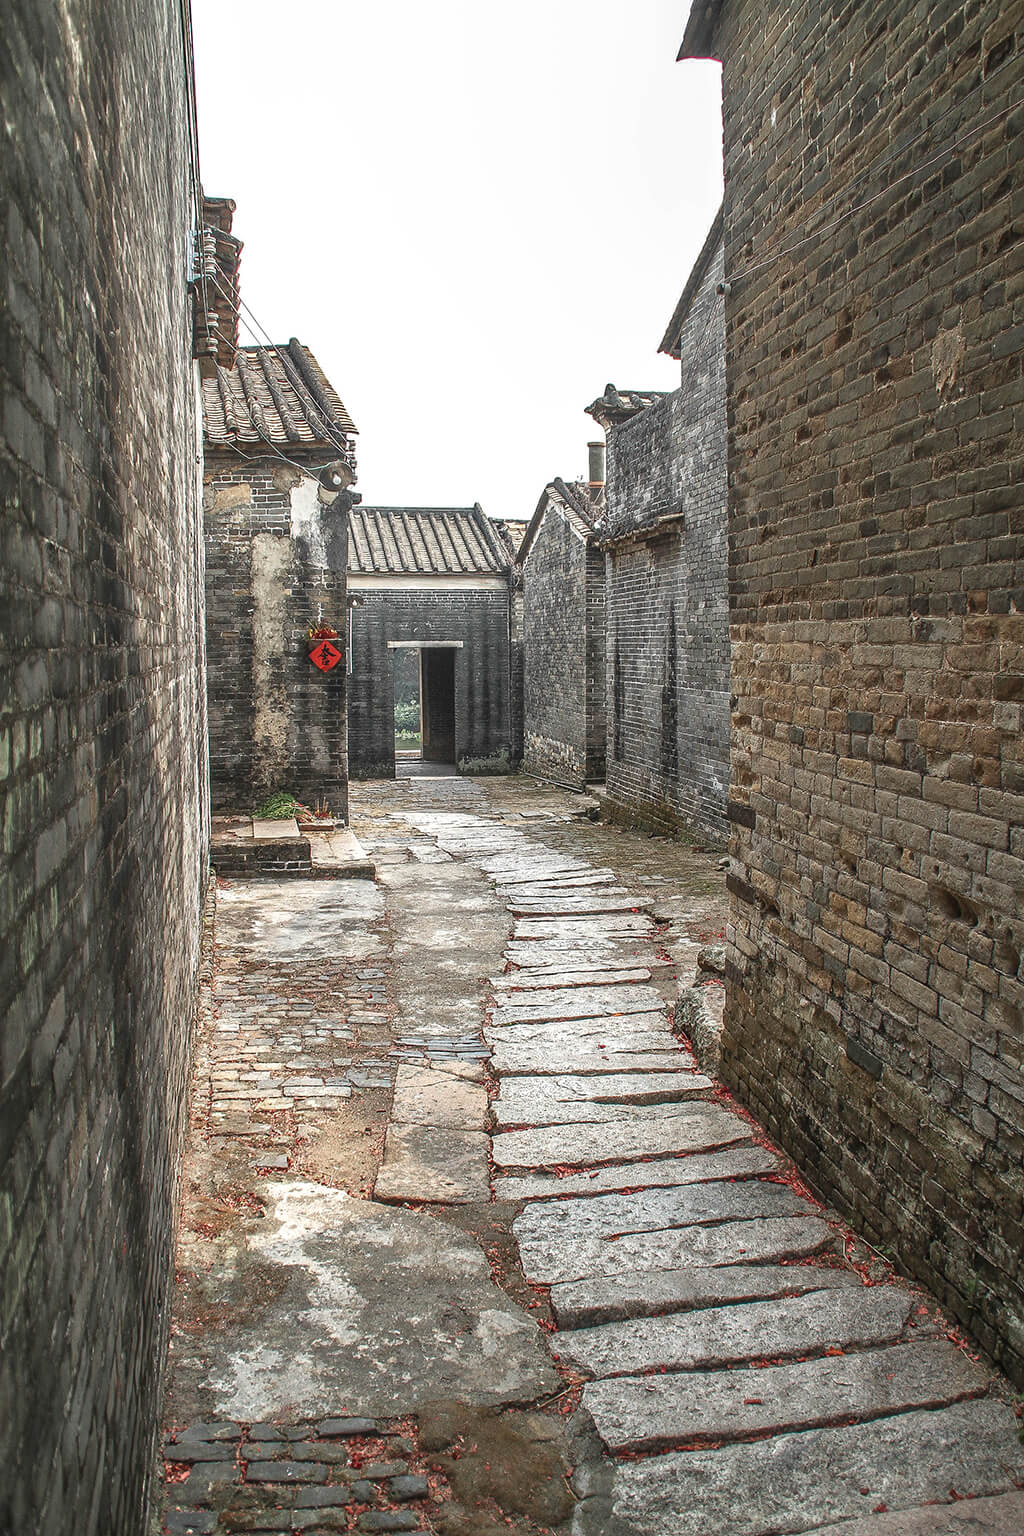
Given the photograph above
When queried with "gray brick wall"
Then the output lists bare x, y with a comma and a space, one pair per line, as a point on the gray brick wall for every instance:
876, 1007
276, 722
555, 650
483, 721
102, 729
666, 593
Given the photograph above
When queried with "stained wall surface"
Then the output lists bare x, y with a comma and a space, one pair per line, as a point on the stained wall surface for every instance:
275, 568
875, 1014
102, 747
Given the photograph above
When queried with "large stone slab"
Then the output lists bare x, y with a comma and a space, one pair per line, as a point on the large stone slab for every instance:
1002, 1515
728, 1242
450, 1095
656, 1131
587, 1055
651, 1413
755, 1330
733, 1163
430, 1163
580, 953
332, 1303
282, 829
650, 1293
521, 867
797, 1481
607, 925
645, 1210
578, 1003
584, 976
550, 1100
598, 901
630, 1029
591, 880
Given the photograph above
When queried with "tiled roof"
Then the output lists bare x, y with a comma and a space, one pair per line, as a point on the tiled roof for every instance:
427, 541
618, 405
511, 530
278, 395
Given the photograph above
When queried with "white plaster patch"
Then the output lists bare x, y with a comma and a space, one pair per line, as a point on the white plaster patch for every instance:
306, 522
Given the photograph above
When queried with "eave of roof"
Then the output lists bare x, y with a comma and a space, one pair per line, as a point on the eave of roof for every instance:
670, 340
699, 37
618, 405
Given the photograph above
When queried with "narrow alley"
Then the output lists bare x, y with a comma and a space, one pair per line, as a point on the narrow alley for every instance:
472, 1243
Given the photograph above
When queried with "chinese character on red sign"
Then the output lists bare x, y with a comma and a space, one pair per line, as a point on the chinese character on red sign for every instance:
325, 656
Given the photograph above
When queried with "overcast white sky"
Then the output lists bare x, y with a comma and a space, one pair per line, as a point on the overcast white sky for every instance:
476, 215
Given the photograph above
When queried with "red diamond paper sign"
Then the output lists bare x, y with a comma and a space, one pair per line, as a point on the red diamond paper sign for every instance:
325, 655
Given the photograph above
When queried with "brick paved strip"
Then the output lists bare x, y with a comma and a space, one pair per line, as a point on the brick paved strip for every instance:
717, 1336
652, 1293
733, 1163
654, 1131
286, 1472
1002, 1515
793, 1482
731, 1242
651, 1413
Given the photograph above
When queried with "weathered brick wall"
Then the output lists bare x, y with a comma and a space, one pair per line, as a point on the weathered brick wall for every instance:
873, 228
480, 619
555, 650
275, 567
597, 676
102, 729
666, 593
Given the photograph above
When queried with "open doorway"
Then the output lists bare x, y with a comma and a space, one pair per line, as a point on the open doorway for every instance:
424, 689
437, 704
408, 736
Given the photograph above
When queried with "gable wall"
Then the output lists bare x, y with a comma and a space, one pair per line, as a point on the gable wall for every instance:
555, 742
875, 1013
666, 594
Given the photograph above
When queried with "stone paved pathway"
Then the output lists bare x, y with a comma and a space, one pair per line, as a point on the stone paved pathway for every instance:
579, 1255
744, 1380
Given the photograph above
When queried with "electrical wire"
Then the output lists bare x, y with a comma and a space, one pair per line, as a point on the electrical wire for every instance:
300, 389
297, 383
787, 250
